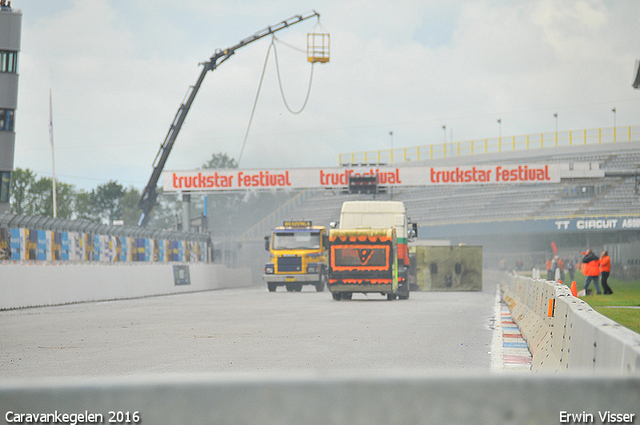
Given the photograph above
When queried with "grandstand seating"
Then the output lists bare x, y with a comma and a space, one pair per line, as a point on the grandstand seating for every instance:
484, 203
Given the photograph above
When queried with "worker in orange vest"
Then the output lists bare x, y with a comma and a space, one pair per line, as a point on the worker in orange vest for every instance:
591, 270
549, 265
605, 268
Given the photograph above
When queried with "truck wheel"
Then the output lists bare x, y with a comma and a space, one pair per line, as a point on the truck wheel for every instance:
297, 287
347, 295
404, 295
272, 286
391, 297
321, 284
336, 296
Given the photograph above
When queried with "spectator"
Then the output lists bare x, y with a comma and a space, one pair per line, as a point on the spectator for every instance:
560, 264
571, 267
605, 268
591, 270
549, 265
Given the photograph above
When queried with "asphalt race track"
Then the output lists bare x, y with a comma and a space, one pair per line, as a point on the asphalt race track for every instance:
250, 330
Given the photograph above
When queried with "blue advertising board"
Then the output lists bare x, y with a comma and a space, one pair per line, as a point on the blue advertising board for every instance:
558, 225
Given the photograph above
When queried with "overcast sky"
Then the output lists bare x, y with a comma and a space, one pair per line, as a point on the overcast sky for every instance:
119, 70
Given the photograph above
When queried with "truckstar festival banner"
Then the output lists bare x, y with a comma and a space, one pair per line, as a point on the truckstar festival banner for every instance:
297, 178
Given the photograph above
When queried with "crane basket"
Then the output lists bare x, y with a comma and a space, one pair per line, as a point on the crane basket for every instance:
318, 47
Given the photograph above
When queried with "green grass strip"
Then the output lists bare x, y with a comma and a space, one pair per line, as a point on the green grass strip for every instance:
625, 294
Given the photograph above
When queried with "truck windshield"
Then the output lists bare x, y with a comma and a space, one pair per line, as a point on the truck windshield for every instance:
296, 240
361, 256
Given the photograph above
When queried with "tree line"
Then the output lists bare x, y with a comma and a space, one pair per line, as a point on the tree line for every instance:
33, 195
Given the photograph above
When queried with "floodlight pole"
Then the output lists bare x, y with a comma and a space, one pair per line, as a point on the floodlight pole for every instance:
53, 157
614, 124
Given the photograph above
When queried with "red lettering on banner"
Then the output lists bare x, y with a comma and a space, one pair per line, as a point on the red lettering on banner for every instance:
339, 177
336, 179
263, 179
522, 174
460, 175
201, 181
342, 178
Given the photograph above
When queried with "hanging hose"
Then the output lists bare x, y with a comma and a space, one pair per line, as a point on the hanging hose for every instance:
255, 102
275, 52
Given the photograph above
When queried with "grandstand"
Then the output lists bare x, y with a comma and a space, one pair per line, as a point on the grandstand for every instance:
518, 218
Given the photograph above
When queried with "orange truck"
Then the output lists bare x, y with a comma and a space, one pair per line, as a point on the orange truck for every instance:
364, 260
368, 250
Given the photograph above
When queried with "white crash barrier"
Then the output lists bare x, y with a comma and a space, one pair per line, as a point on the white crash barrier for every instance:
314, 399
30, 285
565, 333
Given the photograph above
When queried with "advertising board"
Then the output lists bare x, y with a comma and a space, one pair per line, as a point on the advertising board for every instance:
297, 178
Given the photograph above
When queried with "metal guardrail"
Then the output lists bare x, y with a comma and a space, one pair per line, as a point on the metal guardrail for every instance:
21, 221
495, 144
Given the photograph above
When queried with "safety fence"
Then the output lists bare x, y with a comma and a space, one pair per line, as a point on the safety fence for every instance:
565, 333
45, 239
495, 144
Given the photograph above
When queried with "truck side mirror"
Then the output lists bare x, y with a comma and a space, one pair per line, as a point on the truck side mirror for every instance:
334, 224
413, 232
267, 243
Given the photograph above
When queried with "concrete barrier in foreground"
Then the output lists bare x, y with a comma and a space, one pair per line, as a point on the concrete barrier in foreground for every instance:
26, 285
309, 399
565, 333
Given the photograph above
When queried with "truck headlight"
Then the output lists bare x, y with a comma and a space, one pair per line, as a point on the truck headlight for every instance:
312, 269
268, 269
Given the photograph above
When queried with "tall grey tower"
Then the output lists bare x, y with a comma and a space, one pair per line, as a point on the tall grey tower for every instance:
10, 30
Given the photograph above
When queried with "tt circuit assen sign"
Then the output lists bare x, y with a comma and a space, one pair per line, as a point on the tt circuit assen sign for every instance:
298, 178
609, 223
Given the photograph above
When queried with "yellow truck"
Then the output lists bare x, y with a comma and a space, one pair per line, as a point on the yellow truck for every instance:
365, 260
298, 256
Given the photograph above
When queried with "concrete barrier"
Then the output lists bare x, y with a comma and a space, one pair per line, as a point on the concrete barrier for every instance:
565, 333
314, 399
31, 285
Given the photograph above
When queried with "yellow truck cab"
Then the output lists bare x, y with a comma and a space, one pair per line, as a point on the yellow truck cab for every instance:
298, 256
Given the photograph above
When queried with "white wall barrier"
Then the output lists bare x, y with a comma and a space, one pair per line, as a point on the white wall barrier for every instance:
31, 285
327, 399
565, 333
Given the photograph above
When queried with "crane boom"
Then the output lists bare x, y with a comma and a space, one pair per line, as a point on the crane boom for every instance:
148, 199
